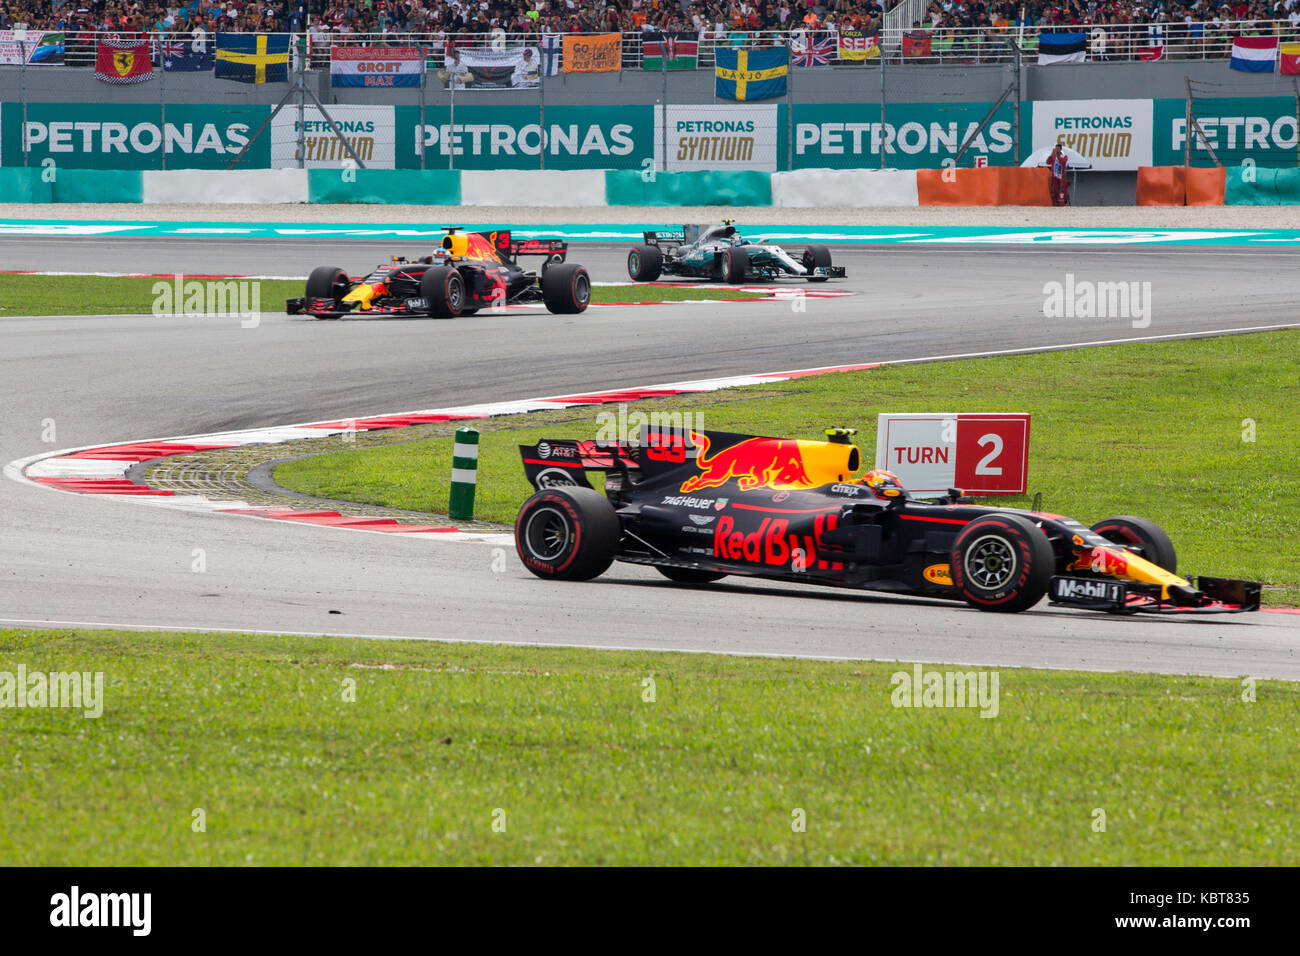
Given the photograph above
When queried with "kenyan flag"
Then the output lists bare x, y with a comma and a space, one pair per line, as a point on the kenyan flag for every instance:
676, 51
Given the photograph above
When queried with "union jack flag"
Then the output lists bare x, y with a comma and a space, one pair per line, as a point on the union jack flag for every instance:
174, 49
813, 53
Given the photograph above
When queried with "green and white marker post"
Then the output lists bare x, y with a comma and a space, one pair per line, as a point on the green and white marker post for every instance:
464, 474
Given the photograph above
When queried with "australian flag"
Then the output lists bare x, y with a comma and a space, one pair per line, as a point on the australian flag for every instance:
185, 56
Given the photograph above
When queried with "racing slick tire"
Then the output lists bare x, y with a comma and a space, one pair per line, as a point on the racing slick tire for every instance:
733, 265
327, 282
444, 288
1002, 562
645, 264
567, 533
566, 288
688, 575
1145, 537
813, 257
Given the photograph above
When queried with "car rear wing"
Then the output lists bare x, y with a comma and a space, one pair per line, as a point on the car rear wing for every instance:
664, 238
566, 461
512, 248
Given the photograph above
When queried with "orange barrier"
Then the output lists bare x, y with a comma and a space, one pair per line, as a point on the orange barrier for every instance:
1181, 186
1205, 187
988, 186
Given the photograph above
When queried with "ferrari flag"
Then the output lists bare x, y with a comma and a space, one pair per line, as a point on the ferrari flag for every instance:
751, 74
253, 57
123, 61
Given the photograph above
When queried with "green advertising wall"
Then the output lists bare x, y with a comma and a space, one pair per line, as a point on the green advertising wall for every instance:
510, 137
806, 136
1259, 128
922, 135
134, 136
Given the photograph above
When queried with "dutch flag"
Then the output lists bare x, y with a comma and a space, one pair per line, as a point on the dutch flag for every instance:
1254, 54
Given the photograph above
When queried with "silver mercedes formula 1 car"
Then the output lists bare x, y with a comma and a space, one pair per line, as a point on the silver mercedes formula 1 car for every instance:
720, 254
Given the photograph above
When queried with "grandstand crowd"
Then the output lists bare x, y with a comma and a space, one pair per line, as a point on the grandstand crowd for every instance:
496, 22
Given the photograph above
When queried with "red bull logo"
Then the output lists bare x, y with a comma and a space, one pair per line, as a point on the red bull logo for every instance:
1110, 562
755, 463
774, 543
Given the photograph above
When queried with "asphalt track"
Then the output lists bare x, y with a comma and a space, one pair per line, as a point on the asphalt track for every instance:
72, 560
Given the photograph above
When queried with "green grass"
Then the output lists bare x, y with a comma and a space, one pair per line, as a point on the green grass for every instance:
1151, 429
96, 295
255, 731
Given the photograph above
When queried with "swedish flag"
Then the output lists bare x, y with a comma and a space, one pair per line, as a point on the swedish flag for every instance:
252, 57
750, 74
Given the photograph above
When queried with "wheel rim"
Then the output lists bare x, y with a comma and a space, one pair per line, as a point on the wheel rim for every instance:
455, 292
633, 264
581, 289
547, 534
991, 562
726, 267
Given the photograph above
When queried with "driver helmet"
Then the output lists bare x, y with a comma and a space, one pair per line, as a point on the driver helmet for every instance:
884, 483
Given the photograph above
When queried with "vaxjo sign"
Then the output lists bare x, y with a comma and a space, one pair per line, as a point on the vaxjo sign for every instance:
1112, 134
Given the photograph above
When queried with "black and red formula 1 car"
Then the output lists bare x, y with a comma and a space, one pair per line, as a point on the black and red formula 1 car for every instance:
698, 506
468, 272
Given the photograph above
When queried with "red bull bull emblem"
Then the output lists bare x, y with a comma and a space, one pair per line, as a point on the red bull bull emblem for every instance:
775, 463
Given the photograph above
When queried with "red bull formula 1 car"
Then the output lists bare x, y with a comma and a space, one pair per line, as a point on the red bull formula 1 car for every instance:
468, 272
698, 506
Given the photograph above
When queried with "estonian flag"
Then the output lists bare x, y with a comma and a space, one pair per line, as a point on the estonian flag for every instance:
750, 74
1062, 48
253, 57
1254, 54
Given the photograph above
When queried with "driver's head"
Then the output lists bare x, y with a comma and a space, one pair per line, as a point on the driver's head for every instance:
883, 483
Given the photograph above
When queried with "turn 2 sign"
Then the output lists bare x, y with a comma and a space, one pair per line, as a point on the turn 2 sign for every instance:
983, 453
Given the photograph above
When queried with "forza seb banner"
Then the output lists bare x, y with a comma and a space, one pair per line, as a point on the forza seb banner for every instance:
134, 135
913, 135
368, 129
717, 137
510, 137
1110, 134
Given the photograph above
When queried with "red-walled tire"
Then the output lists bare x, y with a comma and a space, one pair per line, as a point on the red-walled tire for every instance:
445, 290
328, 282
567, 533
815, 257
1002, 563
645, 263
566, 288
1145, 537
733, 267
